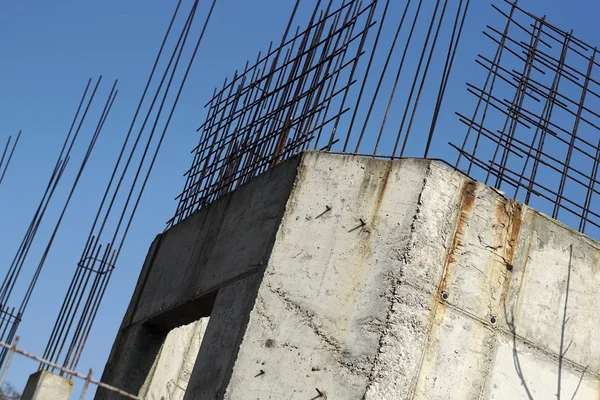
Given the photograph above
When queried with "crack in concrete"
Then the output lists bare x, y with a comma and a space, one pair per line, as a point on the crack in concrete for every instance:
308, 316
465, 201
355, 365
406, 258
260, 310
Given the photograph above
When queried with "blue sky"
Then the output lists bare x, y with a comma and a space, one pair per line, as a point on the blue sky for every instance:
48, 50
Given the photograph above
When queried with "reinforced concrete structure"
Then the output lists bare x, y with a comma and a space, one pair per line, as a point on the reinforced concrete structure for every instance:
342, 277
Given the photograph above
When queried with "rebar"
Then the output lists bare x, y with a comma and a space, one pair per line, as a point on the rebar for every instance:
4, 164
11, 317
537, 136
124, 189
312, 89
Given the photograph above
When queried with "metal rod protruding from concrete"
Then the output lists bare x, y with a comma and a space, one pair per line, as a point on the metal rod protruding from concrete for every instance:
10, 357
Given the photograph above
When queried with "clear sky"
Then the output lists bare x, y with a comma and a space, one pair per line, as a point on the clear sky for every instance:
48, 50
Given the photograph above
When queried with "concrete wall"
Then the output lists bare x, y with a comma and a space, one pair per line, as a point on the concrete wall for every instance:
351, 278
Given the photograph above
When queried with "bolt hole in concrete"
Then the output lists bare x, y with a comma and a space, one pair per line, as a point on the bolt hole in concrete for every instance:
445, 295
173, 366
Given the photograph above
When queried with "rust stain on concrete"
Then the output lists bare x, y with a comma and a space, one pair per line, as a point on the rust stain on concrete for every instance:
512, 215
516, 221
466, 201
381, 192
371, 186
525, 260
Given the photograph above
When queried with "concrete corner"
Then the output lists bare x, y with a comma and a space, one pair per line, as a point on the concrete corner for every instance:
44, 385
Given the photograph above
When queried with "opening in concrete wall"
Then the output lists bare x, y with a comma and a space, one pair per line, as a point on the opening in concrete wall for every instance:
185, 326
173, 366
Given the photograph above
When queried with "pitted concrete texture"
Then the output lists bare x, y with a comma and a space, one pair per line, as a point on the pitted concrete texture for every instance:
343, 277
44, 385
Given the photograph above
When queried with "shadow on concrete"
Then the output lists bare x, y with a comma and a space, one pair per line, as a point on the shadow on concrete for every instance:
517, 363
510, 321
563, 350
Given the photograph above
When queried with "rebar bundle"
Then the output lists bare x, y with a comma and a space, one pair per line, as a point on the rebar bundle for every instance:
331, 85
535, 130
120, 200
11, 317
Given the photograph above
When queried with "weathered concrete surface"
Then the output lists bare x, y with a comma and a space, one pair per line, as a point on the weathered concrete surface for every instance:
369, 279
44, 385
171, 371
328, 306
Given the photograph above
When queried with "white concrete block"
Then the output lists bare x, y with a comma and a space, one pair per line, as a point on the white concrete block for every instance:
44, 385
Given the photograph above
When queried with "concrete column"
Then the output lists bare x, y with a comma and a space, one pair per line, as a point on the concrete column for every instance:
135, 354
44, 385
221, 342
